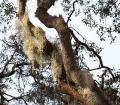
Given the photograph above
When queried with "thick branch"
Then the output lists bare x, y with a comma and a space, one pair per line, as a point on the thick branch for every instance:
42, 14
70, 90
62, 29
74, 92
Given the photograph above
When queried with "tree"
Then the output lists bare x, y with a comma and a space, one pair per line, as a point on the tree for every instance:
63, 59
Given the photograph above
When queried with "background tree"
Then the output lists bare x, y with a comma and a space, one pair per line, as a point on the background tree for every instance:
37, 87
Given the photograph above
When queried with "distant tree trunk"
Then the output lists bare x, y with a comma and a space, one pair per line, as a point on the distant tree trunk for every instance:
71, 80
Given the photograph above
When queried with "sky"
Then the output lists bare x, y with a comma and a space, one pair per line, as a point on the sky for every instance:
110, 53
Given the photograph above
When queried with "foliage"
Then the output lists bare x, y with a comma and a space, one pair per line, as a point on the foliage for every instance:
7, 13
38, 88
96, 14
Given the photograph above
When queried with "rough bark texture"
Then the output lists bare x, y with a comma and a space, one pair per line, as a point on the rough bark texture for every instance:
87, 93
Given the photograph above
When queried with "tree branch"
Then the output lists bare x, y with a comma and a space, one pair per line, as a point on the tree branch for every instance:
62, 29
8, 61
94, 52
70, 90
22, 5
15, 98
3, 75
72, 11
67, 55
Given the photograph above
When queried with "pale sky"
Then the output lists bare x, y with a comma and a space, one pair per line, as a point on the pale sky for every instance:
110, 53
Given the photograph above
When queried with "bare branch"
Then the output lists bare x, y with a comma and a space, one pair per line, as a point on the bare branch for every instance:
2, 98
15, 98
94, 52
87, 47
72, 11
7, 74
8, 61
3, 75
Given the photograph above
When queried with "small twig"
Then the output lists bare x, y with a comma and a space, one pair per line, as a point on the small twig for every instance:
78, 33
6, 64
97, 83
103, 79
109, 69
72, 11
14, 98
2, 98
5, 42
98, 68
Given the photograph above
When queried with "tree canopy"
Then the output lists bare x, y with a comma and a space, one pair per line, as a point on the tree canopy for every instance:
29, 60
